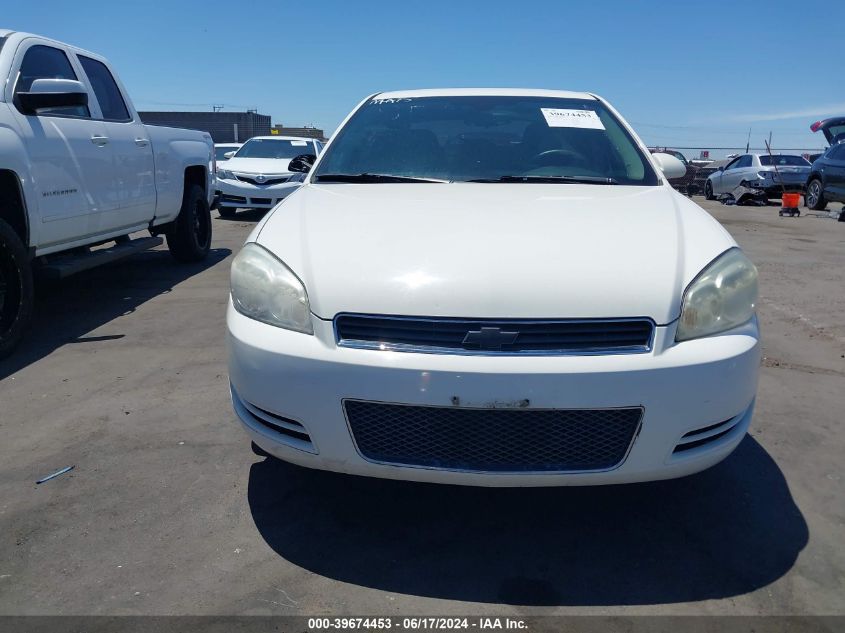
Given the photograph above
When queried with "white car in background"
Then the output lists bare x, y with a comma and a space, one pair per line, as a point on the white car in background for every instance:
493, 287
257, 175
761, 175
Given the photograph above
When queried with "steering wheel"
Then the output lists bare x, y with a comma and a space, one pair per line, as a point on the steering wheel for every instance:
570, 157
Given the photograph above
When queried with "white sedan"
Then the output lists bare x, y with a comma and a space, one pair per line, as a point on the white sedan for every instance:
257, 175
493, 287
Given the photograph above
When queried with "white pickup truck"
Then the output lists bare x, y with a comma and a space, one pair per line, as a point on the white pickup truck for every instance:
80, 174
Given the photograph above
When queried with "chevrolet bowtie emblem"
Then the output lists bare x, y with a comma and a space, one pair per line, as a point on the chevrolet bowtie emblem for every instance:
489, 338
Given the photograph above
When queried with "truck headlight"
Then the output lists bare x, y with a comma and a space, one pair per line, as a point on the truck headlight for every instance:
723, 296
266, 290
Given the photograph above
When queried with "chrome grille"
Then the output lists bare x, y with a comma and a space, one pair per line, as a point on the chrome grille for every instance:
270, 180
492, 440
508, 336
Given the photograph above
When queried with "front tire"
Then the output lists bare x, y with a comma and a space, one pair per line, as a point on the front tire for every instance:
814, 198
227, 212
189, 238
708, 191
16, 291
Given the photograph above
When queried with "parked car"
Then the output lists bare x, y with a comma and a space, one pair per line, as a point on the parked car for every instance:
685, 184
79, 169
223, 151
759, 175
826, 182
257, 176
528, 303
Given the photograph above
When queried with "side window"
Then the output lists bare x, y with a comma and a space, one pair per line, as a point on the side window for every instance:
837, 152
745, 161
732, 165
46, 62
105, 89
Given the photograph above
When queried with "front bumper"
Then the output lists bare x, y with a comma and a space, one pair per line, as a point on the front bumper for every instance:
681, 388
238, 194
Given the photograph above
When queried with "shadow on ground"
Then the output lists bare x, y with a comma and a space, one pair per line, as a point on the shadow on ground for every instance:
242, 215
68, 310
721, 533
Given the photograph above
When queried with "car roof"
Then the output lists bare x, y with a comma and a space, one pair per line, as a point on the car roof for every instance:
276, 137
483, 92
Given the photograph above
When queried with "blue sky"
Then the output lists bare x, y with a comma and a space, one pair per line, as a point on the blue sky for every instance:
684, 73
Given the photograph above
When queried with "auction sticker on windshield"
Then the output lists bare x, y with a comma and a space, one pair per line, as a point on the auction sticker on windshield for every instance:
572, 118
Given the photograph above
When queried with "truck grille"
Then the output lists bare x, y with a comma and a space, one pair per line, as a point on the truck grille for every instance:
493, 440
511, 336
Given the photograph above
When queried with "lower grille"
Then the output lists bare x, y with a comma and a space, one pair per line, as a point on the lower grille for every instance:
493, 440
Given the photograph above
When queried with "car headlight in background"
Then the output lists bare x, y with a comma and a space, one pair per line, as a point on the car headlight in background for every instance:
266, 290
225, 174
722, 297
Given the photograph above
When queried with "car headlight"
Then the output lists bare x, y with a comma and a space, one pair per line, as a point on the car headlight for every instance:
723, 296
225, 174
266, 290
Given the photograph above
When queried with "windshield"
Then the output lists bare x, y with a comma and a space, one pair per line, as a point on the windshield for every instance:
274, 148
784, 159
488, 138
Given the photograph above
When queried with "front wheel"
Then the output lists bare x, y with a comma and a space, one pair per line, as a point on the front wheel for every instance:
189, 238
708, 191
227, 212
814, 198
16, 293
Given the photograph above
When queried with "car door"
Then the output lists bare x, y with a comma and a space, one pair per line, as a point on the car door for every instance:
720, 179
835, 173
743, 171
68, 149
132, 151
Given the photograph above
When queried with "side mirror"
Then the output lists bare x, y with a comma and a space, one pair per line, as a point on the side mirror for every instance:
721, 168
669, 165
302, 163
229, 155
52, 93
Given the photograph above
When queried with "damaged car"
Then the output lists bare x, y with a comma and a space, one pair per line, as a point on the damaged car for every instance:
760, 176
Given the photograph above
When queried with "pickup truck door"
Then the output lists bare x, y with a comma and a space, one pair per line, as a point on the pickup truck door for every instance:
132, 152
70, 160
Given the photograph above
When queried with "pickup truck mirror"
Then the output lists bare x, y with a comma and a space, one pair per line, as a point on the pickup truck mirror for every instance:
302, 163
229, 155
669, 165
52, 93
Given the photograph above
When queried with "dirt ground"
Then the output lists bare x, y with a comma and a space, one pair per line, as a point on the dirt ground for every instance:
168, 511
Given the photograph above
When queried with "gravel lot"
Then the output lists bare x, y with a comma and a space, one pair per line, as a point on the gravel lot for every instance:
169, 512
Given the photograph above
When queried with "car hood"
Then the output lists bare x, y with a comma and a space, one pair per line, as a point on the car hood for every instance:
257, 165
493, 250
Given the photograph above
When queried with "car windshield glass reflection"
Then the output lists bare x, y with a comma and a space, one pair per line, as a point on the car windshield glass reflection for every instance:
489, 139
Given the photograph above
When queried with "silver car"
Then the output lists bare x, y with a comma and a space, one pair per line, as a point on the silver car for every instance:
759, 175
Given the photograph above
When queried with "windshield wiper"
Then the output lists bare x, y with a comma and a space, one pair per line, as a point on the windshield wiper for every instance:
370, 178
589, 180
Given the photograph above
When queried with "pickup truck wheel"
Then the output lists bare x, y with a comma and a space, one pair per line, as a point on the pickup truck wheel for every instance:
16, 294
708, 191
814, 198
189, 239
